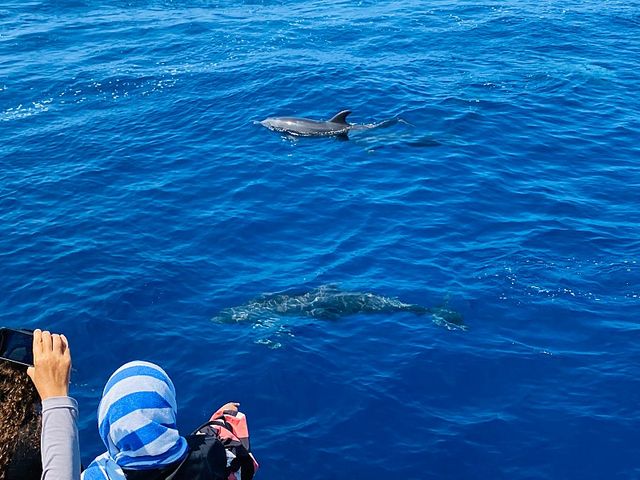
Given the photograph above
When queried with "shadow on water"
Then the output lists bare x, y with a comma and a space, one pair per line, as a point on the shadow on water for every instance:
404, 135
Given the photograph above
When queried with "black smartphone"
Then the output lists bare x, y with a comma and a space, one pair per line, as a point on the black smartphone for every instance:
16, 346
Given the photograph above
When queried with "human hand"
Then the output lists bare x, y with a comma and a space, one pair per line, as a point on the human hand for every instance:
233, 406
51, 364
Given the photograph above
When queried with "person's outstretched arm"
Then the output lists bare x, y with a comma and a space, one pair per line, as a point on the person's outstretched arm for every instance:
59, 439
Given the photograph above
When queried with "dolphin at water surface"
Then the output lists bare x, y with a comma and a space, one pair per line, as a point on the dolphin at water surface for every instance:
336, 126
329, 303
305, 127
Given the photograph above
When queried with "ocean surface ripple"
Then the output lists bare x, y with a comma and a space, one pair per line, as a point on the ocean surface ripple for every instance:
138, 199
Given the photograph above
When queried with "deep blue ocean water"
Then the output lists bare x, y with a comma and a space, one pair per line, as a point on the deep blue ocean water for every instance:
138, 199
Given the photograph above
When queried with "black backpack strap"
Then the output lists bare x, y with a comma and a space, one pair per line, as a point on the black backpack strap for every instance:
218, 421
166, 473
207, 459
175, 472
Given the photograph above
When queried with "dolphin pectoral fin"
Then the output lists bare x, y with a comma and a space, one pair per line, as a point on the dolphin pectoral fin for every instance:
342, 136
340, 117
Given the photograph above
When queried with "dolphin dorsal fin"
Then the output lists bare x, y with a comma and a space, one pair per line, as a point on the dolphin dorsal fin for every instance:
341, 117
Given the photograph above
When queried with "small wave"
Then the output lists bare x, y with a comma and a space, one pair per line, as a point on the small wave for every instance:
24, 111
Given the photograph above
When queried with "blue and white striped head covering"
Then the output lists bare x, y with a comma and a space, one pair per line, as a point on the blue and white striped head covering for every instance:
137, 423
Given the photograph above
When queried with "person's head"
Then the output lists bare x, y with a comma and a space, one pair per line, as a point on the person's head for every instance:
19, 425
137, 418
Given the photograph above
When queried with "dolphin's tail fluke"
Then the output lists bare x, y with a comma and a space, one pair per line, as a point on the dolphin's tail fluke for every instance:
450, 318
441, 315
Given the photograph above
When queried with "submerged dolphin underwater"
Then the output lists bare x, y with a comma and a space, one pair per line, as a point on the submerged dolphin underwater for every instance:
336, 126
329, 303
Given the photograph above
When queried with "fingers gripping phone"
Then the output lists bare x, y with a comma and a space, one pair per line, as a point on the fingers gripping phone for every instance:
16, 346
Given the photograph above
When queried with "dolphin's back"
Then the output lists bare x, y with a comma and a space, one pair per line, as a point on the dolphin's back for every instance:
337, 125
325, 302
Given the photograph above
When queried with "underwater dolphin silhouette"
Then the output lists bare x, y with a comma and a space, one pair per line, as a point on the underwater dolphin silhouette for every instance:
329, 303
305, 127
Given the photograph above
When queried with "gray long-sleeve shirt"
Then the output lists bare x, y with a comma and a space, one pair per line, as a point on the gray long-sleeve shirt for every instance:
59, 441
